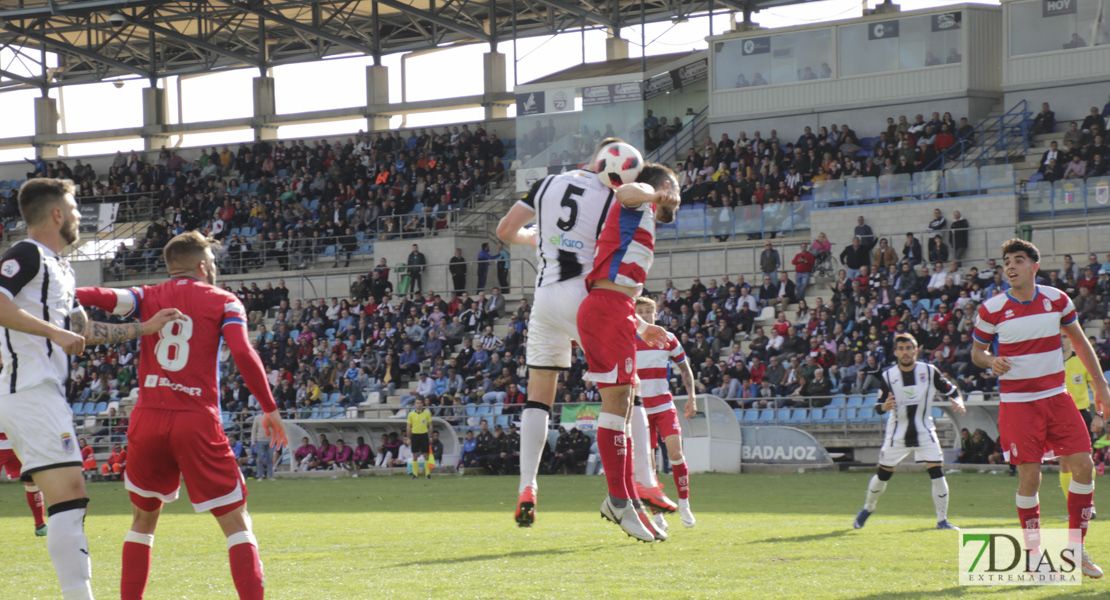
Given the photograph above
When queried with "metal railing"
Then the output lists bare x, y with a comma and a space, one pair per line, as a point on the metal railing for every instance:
1002, 137
753, 220
923, 185
520, 275
1065, 198
686, 137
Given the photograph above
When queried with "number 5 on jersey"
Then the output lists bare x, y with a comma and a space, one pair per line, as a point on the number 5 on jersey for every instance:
172, 350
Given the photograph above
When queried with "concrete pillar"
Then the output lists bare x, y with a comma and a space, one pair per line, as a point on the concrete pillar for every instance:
46, 124
377, 98
154, 119
265, 107
887, 7
493, 67
616, 48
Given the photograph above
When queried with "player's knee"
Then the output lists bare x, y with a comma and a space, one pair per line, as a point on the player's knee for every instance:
537, 405
935, 472
675, 455
145, 505
884, 474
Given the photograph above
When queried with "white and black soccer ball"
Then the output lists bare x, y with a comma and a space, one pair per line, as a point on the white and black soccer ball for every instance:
618, 163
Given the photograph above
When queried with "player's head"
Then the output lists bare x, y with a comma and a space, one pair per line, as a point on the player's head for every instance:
48, 204
190, 254
645, 308
1021, 260
905, 349
660, 177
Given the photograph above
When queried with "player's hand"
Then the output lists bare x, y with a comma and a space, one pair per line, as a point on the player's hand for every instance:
691, 407
159, 320
274, 427
69, 342
668, 196
958, 406
890, 403
655, 336
1098, 424
1000, 366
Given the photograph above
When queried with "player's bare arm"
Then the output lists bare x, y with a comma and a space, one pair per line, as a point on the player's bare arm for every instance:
15, 318
1082, 347
96, 332
981, 356
653, 335
691, 391
632, 195
511, 228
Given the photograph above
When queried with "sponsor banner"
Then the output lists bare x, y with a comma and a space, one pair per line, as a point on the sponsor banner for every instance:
597, 94
1102, 193
883, 30
95, 217
560, 100
659, 85
526, 177
1002, 557
1055, 8
691, 73
531, 103
947, 21
582, 416
780, 446
632, 91
750, 46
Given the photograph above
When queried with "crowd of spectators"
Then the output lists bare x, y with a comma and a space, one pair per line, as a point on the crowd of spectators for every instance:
1086, 148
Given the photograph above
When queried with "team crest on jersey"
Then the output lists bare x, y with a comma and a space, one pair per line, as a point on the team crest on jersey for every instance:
1047, 305
67, 443
628, 365
1013, 449
10, 268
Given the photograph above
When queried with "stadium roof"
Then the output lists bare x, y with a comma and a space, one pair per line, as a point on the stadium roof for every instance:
105, 39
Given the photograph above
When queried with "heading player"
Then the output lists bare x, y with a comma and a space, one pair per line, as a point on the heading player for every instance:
608, 326
658, 417
907, 393
175, 430
1036, 414
569, 209
35, 280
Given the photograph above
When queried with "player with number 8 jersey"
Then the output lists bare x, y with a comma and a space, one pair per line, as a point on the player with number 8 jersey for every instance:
175, 431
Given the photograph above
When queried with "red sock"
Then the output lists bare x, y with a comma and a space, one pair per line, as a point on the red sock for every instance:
1031, 526
246, 568
612, 445
137, 548
34, 500
1079, 507
681, 479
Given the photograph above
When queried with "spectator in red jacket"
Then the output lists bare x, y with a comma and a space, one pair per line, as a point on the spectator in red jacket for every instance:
803, 266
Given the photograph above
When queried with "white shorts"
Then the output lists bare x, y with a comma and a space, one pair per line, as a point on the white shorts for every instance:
928, 451
554, 323
39, 424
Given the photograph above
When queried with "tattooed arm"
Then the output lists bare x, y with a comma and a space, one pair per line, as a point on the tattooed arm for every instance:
96, 332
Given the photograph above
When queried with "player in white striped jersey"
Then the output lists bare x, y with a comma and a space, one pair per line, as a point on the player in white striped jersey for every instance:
569, 210
654, 415
908, 392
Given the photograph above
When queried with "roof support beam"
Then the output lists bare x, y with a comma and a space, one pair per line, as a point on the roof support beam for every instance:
585, 13
437, 19
302, 27
194, 41
63, 46
21, 79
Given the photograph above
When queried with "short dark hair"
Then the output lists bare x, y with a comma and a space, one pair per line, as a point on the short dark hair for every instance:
905, 338
1016, 245
38, 196
185, 247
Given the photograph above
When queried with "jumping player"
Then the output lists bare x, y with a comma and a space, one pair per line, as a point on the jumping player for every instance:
10, 462
37, 310
608, 326
569, 209
907, 393
1036, 414
175, 430
658, 416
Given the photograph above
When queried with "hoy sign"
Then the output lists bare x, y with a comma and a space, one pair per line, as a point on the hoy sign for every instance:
1055, 8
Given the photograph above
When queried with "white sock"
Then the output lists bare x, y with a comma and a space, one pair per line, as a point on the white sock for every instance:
940, 498
874, 490
641, 447
533, 437
69, 551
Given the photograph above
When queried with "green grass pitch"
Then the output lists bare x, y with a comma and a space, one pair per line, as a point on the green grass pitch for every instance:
758, 536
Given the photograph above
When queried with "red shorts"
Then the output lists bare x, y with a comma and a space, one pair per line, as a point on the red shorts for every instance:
1028, 430
607, 328
10, 463
166, 446
663, 424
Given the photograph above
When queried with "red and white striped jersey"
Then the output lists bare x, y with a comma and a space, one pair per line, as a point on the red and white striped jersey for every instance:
1029, 335
652, 366
626, 247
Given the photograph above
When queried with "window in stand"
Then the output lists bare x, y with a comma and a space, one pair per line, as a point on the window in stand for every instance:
774, 59
899, 44
1037, 26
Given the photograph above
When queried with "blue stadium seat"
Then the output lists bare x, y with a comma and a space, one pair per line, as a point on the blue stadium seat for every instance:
871, 399
417, 209
484, 409
314, 204
4, 185
855, 402
328, 252
838, 401
236, 230
333, 398
365, 248
100, 407
295, 333
799, 416
497, 409
766, 414
937, 412
81, 409
834, 415
817, 414
866, 414
739, 412
502, 420
783, 415
471, 410
751, 415
283, 173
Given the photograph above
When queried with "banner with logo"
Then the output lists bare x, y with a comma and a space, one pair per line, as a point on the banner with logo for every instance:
1102, 193
582, 416
526, 177
595, 95
780, 446
947, 21
560, 100
658, 85
883, 30
760, 45
632, 91
95, 217
1055, 8
691, 73
531, 103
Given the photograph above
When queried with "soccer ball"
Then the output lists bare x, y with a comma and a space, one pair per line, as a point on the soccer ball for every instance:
618, 163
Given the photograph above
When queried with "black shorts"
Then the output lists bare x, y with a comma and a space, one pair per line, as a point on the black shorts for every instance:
420, 443
1087, 417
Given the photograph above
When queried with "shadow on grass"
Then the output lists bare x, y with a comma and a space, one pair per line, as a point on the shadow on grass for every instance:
1002, 591
501, 556
805, 538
